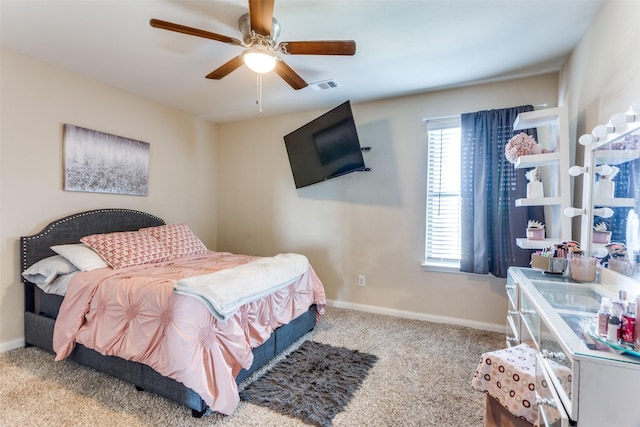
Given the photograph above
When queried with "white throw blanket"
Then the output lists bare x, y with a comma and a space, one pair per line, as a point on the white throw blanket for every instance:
225, 291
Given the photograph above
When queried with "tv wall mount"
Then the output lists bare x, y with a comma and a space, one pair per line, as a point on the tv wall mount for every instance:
365, 169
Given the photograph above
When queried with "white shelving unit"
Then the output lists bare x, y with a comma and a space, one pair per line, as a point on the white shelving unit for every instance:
534, 160
615, 157
614, 202
525, 243
539, 201
555, 128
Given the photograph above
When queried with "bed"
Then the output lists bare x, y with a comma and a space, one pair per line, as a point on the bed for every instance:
275, 334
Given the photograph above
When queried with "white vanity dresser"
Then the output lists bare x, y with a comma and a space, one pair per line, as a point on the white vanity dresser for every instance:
580, 378
553, 311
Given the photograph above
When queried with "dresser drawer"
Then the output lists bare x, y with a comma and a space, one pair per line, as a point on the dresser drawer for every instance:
586, 382
512, 293
513, 315
513, 329
550, 409
561, 368
530, 321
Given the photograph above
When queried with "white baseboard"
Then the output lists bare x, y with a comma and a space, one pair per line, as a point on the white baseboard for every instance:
10, 345
418, 316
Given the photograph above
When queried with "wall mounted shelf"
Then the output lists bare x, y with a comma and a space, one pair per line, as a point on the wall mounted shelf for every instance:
525, 243
614, 202
539, 201
553, 124
534, 160
615, 157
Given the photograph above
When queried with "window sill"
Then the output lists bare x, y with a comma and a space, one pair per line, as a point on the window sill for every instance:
441, 268
449, 269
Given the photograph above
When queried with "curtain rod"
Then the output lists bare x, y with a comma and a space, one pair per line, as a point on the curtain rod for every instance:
425, 119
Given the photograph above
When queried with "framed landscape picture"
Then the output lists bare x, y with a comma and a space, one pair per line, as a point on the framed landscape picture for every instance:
98, 162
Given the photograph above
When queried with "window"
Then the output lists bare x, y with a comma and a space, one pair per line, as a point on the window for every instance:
442, 240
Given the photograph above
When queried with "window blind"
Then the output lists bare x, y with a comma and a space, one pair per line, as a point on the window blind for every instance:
442, 240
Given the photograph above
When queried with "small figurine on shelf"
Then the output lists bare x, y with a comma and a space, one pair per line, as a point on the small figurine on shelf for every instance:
522, 145
600, 233
534, 187
535, 230
604, 187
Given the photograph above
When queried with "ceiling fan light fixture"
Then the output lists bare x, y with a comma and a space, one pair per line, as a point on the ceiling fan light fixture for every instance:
259, 61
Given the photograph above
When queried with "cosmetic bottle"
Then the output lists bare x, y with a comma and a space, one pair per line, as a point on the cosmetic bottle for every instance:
618, 307
603, 316
613, 333
637, 342
628, 324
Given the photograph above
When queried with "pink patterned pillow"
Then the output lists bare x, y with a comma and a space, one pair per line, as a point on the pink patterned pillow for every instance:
124, 249
178, 238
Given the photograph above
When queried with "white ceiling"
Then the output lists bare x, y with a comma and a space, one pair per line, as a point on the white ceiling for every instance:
403, 47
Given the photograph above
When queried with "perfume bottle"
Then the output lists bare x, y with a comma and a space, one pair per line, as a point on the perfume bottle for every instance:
603, 316
628, 324
613, 332
637, 342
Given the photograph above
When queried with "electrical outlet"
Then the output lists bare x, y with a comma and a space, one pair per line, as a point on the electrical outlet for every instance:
361, 280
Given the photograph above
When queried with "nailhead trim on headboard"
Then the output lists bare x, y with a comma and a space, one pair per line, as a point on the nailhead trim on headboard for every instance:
71, 228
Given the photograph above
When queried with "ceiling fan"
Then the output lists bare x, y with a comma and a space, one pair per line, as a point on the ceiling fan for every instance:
260, 32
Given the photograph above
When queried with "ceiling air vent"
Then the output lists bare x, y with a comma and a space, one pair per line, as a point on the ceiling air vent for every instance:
324, 85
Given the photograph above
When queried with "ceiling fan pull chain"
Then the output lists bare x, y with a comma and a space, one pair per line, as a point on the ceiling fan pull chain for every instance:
259, 95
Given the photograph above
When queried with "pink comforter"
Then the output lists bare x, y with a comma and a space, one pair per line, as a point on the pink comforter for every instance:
134, 314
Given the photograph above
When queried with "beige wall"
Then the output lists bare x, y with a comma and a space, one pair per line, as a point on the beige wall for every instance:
369, 223
602, 76
36, 101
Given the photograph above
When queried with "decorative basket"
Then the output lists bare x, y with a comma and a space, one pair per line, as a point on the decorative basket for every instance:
601, 236
535, 233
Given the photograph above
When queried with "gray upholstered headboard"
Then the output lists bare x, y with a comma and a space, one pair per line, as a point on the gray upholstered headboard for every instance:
71, 228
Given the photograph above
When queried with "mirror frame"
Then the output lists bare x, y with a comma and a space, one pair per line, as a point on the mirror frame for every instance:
602, 136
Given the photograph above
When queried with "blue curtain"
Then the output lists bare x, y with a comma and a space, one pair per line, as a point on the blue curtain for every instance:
490, 186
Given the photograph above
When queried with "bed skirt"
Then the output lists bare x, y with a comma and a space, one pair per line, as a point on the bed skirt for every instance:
39, 332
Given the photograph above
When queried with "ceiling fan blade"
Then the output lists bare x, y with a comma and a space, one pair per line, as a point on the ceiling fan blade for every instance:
226, 68
320, 47
290, 76
261, 16
157, 23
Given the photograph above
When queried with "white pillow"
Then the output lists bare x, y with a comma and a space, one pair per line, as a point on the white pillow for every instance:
44, 271
80, 255
59, 285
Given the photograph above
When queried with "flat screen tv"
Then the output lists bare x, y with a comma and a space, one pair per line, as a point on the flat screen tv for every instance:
325, 148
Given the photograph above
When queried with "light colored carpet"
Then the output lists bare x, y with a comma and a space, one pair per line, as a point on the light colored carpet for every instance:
422, 378
314, 383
